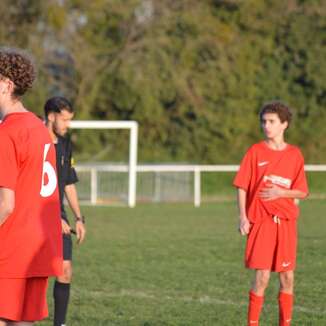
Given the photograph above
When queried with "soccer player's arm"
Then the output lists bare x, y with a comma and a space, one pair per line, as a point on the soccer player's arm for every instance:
241, 182
72, 198
244, 224
299, 187
272, 192
8, 163
293, 193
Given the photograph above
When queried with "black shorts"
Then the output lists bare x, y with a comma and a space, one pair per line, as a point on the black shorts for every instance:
67, 247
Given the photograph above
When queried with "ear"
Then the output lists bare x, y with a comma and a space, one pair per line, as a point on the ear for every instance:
286, 124
51, 117
10, 86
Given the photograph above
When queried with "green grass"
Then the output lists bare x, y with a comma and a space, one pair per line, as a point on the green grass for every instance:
177, 265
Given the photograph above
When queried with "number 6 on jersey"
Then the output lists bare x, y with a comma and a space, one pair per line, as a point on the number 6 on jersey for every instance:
49, 188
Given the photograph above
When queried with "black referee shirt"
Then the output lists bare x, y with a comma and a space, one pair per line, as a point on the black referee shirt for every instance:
66, 173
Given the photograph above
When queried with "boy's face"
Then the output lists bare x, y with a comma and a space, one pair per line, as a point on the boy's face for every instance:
60, 121
272, 125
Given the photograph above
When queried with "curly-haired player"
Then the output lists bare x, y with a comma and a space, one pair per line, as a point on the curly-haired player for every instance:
270, 178
30, 230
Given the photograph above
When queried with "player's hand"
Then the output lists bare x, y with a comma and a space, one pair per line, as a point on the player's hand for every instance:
80, 231
65, 227
244, 226
271, 192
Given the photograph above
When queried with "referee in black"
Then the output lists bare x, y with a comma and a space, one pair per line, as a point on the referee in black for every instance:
58, 114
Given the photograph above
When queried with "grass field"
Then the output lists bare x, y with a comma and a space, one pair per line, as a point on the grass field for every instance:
177, 265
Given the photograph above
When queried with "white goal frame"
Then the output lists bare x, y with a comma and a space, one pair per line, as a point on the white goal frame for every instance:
133, 148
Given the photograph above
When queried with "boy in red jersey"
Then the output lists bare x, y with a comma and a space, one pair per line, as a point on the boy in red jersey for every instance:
270, 178
30, 230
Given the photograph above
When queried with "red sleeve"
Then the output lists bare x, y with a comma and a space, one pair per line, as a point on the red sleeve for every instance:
300, 180
243, 177
8, 162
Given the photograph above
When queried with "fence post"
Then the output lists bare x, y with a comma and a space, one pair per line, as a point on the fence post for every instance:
93, 186
133, 139
197, 186
157, 187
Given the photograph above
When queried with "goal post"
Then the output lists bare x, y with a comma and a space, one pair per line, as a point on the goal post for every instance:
132, 126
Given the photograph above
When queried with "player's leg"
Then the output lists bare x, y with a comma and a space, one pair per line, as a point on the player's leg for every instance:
259, 256
61, 290
61, 293
286, 258
66, 277
3, 322
286, 282
260, 281
286, 297
256, 296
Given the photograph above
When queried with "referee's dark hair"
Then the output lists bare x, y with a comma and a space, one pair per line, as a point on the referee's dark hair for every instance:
56, 105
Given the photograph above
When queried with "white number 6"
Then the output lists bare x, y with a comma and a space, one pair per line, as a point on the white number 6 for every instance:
49, 188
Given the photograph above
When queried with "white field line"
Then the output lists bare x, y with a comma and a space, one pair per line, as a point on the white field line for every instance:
205, 299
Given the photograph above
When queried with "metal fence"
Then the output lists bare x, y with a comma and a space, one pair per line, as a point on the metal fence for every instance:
108, 183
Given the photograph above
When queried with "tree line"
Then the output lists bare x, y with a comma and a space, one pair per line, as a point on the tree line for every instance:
194, 74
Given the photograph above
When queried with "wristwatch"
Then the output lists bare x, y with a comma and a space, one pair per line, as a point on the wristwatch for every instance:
80, 219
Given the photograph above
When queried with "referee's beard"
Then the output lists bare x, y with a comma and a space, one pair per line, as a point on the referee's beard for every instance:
60, 131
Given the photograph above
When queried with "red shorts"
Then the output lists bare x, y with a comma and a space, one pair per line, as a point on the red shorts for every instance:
272, 245
23, 299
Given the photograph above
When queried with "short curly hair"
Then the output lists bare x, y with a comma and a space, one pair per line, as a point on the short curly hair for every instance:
19, 68
283, 111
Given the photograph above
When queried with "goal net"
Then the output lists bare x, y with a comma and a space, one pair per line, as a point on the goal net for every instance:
108, 184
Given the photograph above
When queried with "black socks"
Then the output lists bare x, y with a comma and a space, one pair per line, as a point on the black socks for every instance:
61, 293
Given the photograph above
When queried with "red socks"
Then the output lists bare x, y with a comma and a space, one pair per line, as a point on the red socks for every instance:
254, 309
285, 302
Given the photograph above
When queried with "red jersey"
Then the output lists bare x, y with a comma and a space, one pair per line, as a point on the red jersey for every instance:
30, 238
261, 166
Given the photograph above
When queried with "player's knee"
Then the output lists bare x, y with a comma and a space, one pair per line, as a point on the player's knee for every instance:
262, 283
67, 274
3, 322
262, 280
287, 280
